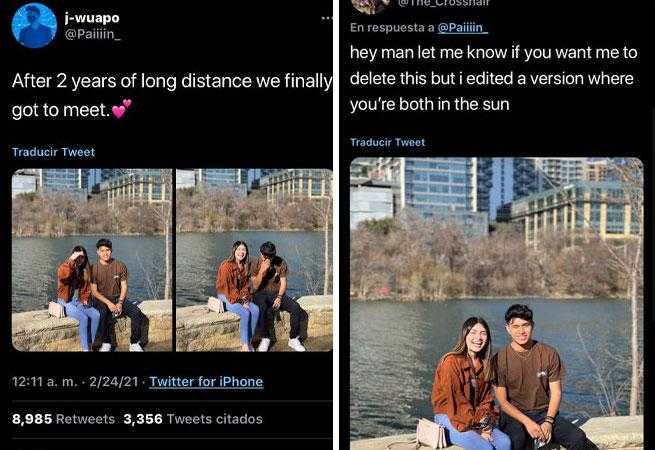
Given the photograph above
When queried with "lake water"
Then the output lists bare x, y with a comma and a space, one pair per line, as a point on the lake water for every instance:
35, 262
198, 256
394, 348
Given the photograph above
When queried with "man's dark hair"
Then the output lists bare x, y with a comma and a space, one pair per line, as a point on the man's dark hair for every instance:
268, 249
520, 311
34, 9
103, 243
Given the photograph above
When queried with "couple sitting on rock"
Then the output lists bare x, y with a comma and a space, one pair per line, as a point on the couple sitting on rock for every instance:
256, 290
95, 294
526, 378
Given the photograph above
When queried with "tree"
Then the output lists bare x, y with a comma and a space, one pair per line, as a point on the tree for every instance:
630, 174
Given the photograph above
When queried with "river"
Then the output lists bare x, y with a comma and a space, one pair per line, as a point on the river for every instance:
35, 262
394, 348
199, 254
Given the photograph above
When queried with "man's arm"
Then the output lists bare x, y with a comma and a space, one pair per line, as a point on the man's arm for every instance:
123, 294
530, 425
280, 293
283, 287
553, 408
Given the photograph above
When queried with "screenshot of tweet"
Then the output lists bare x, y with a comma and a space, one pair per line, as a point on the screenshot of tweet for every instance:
167, 183
494, 243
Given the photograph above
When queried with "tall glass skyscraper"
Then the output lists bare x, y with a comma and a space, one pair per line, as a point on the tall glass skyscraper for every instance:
444, 184
63, 180
221, 177
449, 189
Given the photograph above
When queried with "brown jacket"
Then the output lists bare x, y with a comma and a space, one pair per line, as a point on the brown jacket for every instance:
452, 393
66, 281
232, 283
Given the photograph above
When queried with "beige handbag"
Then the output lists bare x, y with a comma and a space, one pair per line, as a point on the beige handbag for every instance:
215, 304
429, 434
56, 310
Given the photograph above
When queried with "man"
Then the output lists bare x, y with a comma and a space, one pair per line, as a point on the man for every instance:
34, 35
109, 287
529, 388
269, 284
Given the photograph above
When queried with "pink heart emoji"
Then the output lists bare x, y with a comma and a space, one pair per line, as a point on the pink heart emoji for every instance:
127, 102
118, 111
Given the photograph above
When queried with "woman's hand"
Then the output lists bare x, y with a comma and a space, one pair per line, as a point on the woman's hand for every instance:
534, 430
75, 255
486, 434
547, 429
245, 303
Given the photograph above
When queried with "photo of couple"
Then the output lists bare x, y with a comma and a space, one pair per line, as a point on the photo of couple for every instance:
542, 254
525, 378
255, 291
96, 294
146, 234
253, 260
66, 296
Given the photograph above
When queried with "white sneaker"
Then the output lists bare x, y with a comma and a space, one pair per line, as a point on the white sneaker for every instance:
105, 347
263, 345
296, 345
136, 347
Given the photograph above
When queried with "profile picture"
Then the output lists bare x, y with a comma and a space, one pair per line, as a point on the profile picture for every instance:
371, 7
34, 25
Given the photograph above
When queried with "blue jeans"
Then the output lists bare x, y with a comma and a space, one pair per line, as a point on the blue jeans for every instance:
471, 440
84, 314
249, 317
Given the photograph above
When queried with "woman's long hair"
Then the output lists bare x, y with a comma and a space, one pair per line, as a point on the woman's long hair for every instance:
82, 271
484, 354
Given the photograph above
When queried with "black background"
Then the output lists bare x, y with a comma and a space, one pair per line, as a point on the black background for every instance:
199, 128
544, 121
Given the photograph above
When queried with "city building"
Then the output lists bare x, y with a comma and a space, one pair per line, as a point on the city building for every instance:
501, 185
235, 180
582, 207
22, 183
74, 181
294, 184
185, 179
136, 186
448, 189
255, 176
597, 170
371, 201
532, 175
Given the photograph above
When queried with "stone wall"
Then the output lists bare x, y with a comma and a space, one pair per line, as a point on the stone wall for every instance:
199, 329
36, 331
624, 432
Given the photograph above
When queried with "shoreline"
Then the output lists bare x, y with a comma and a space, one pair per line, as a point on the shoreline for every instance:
56, 236
484, 297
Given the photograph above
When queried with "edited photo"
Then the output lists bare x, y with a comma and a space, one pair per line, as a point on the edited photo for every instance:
497, 302
91, 260
254, 260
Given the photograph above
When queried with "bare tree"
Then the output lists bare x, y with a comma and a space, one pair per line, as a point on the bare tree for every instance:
630, 173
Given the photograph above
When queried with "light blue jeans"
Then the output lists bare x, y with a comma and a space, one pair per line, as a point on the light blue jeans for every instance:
84, 314
471, 440
249, 317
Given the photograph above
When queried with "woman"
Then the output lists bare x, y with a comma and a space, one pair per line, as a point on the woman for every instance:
233, 287
74, 292
462, 394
